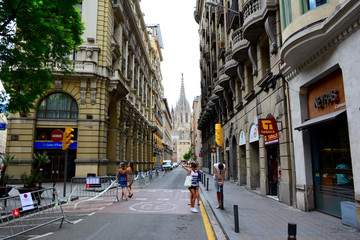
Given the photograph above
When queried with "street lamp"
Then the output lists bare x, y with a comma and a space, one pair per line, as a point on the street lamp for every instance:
214, 4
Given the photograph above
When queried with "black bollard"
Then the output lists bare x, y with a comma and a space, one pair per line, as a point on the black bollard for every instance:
291, 231
54, 187
207, 184
221, 198
236, 218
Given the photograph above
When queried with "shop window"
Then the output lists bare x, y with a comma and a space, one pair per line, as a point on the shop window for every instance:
286, 13
58, 106
308, 5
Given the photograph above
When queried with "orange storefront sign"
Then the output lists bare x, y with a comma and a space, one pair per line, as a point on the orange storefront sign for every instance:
271, 139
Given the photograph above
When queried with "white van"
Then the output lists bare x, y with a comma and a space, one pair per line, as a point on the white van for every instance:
166, 165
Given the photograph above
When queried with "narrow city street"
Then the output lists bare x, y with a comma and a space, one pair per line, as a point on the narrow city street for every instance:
158, 211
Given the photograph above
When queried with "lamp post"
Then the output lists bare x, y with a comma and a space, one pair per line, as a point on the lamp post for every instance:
214, 4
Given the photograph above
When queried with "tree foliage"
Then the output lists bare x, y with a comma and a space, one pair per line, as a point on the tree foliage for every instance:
35, 36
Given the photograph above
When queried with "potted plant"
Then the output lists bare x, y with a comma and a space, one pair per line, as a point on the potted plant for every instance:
4, 177
30, 180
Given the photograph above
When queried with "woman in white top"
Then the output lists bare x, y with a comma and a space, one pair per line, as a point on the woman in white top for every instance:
192, 171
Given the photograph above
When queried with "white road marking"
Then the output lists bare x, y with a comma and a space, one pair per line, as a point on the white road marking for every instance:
97, 232
141, 199
91, 213
40, 236
168, 191
101, 208
184, 190
163, 199
77, 221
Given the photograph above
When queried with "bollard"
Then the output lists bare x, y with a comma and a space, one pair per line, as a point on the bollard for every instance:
291, 231
207, 184
236, 218
221, 198
53, 192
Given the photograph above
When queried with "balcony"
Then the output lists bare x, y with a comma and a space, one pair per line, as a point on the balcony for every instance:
240, 46
224, 80
255, 13
230, 64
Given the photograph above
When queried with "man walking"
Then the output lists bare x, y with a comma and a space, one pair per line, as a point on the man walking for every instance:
219, 177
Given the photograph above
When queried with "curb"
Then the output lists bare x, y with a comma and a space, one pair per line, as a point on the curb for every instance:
227, 229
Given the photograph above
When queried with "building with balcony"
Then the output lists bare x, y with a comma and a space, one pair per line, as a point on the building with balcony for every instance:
109, 99
167, 141
196, 146
240, 84
320, 40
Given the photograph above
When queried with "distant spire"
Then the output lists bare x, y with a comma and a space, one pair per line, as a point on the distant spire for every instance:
182, 98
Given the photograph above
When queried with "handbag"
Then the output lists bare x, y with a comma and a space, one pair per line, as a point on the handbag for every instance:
187, 182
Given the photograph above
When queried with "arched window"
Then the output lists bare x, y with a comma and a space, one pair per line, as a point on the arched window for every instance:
58, 105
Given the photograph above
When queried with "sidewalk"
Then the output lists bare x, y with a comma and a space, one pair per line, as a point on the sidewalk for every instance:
261, 217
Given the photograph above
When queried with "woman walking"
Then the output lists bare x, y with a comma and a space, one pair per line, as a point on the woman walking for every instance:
194, 183
122, 176
130, 177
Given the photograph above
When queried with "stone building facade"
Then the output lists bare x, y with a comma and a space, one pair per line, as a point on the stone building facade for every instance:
240, 84
196, 148
108, 101
319, 62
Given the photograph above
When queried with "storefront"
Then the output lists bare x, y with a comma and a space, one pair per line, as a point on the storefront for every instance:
329, 144
55, 170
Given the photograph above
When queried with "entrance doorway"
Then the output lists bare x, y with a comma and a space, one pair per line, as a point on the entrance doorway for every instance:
234, 160
273, 164
54, 171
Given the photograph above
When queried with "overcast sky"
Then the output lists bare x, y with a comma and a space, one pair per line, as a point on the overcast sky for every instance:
181, 45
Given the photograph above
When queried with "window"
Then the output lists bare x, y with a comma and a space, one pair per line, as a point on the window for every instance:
286, 12
311, 4
58, 105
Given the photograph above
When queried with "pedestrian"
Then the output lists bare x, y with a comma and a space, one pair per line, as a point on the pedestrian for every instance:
130, 177
219, 177
198, 186
194, 183
122, 176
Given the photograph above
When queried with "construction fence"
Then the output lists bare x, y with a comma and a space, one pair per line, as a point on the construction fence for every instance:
28, 211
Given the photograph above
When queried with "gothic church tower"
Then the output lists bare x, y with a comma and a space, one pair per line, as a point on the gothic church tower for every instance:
181, 116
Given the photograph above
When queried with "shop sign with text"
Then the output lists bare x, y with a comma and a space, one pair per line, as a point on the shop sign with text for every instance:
271, 139
267, 126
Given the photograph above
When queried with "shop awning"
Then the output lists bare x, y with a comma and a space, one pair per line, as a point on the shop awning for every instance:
325, 118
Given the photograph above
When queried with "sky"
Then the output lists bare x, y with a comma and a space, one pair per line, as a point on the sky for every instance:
181, 52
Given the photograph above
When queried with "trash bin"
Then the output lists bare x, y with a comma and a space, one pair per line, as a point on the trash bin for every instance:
348, 213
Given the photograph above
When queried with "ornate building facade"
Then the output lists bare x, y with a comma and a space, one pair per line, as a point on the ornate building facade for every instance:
319, 41
241, 83
109, 100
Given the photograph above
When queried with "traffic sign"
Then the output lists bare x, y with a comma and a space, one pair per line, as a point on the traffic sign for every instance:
57, 135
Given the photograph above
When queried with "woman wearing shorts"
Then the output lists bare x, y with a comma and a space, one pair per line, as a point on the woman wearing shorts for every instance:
192, 171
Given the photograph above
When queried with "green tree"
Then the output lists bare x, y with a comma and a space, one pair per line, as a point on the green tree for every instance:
35, 36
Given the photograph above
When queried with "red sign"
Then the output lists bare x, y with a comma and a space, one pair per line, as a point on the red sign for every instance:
16, 212
56, 135
87, 185
200, 154
271, 139
267, 126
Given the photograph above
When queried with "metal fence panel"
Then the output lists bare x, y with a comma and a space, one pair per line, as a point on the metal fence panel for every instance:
92, 186
18, 218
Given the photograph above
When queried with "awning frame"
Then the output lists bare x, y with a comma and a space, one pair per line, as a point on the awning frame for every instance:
318, 120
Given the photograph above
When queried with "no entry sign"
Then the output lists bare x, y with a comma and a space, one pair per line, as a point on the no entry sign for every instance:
56, 135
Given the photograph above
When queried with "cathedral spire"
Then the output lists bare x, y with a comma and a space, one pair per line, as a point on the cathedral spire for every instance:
182, 98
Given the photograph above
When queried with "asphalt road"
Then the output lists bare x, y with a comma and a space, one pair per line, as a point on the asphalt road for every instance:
158, 211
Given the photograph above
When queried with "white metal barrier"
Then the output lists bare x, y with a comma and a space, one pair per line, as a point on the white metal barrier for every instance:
92, 186
28, 211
